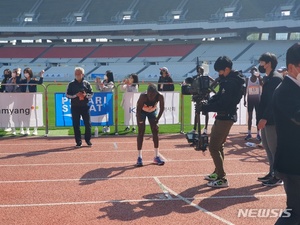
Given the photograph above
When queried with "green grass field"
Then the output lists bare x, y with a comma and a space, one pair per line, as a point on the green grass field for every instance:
53, 87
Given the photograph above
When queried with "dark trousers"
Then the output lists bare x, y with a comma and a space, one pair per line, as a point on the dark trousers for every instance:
84, 112
292, 190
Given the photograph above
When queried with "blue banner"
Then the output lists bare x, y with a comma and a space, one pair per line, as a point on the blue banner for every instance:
101, 110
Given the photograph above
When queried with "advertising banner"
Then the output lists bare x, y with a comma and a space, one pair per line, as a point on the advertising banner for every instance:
21, 110
101, 109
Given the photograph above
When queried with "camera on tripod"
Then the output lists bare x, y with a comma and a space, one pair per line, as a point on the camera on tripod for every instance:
193, 138
199, 87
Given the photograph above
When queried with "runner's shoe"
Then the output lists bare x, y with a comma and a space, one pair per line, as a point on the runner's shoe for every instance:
211, 177
158, 161
248, 137
139, 162
220, 183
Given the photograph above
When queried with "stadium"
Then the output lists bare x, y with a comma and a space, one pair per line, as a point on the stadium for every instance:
136, 36
46, 180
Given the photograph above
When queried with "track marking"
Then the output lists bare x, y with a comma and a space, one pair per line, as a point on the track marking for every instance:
107, 163
120, 178
162, 187
193, 204
136, 200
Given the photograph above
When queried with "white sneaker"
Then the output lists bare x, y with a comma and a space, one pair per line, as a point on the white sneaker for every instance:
7, 129
108, 130
35, 132
104, 129
27, 131
22, 131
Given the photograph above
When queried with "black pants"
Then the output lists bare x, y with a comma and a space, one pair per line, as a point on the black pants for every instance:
291, 187
84, 112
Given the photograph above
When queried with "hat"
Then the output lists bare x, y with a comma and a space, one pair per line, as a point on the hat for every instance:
165, 69
281, 69
253, 68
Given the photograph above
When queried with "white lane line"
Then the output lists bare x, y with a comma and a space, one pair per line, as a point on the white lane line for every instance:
53, 142
162, 187
83, 150
101, 163
195, 205
121, 178
137, 200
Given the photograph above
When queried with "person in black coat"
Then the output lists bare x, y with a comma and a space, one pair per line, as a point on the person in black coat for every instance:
224, 102
7, 76
266, 124
80, 92
165, 78
286, 107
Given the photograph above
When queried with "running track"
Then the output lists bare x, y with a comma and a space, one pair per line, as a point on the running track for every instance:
48, 181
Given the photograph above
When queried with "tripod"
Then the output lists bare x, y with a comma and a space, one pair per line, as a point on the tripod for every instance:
200, 141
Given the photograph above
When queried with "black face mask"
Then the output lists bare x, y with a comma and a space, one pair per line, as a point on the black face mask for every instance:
261, 69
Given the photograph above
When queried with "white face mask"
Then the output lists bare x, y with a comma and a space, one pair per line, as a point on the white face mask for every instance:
26, 75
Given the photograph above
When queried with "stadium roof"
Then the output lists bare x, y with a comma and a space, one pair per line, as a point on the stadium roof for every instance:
143, 19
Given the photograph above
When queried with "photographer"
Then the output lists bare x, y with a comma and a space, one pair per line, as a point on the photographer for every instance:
224, 102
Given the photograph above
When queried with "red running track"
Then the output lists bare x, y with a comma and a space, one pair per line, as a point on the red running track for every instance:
48, 181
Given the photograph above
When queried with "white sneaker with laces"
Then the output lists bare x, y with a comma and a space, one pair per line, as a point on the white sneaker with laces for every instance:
22, 131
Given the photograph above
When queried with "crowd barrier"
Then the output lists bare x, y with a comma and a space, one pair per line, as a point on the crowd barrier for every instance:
34, 109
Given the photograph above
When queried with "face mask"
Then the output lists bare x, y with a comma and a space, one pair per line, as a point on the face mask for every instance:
261, 69
26, 75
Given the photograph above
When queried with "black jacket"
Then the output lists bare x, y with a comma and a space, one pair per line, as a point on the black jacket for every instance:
32, 87
225, 101
166, 87
74, 87
265, 110
286, 108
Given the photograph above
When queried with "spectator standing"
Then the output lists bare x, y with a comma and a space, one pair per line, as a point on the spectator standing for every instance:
224, 102
80, 92
286, 105
29, 85
7, 76
107, 85
266, 124
13, 87
130, 84
252, 98
165, 82
147, 108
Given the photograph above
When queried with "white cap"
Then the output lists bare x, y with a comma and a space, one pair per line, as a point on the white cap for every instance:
164, 68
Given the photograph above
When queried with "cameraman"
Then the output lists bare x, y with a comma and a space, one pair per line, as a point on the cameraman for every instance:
224, 102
